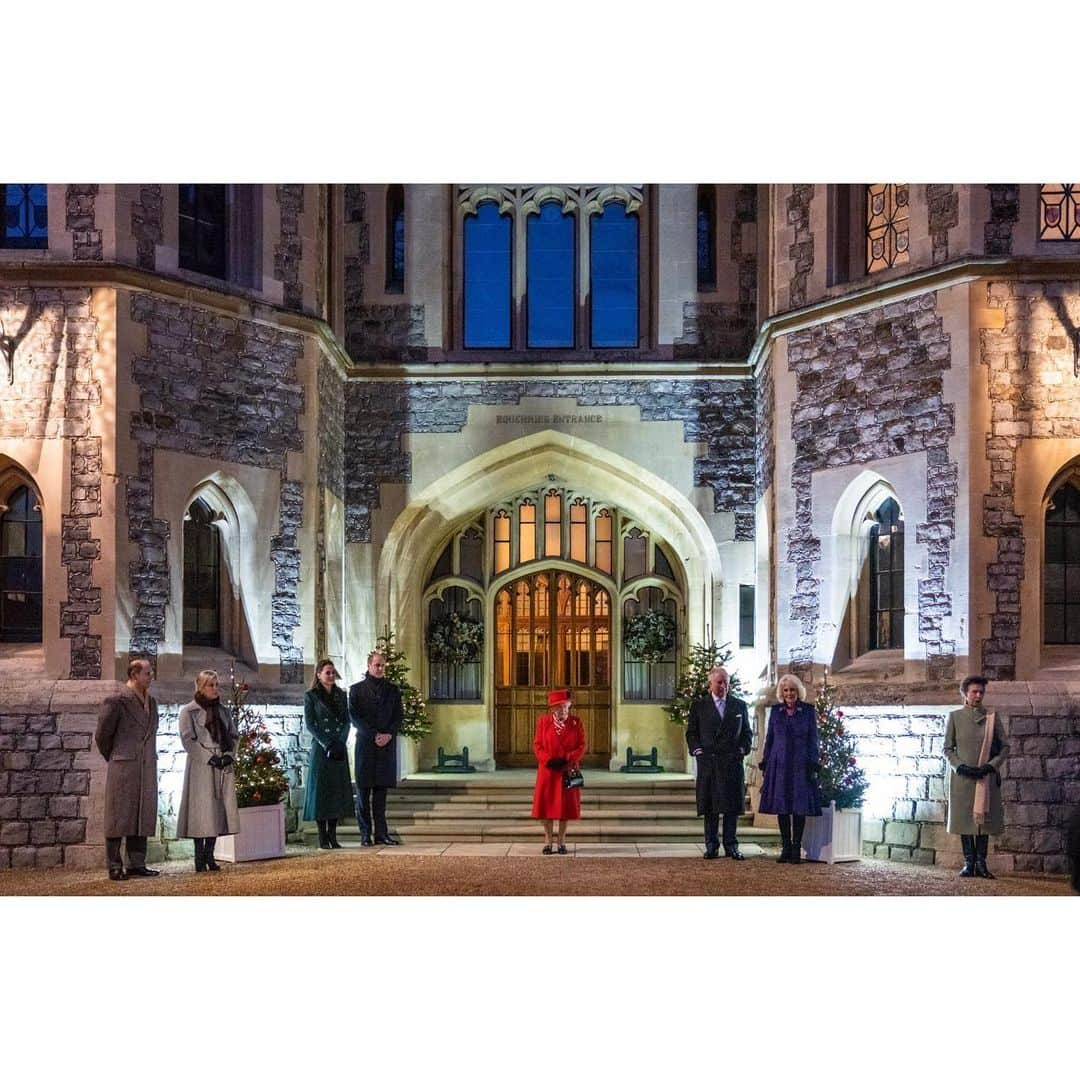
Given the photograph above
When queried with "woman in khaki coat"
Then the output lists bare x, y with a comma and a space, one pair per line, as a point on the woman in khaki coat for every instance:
208, 803
965, 737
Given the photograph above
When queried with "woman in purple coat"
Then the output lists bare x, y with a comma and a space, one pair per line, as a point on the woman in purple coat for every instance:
790, 766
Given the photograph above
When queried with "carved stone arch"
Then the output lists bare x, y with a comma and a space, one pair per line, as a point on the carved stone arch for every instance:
534, 198
596, 198
470, 199
12, 477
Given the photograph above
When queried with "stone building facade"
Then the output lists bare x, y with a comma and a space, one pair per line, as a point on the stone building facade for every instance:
320, 389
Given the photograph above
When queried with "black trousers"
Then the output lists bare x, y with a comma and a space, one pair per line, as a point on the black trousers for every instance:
136, 851
712, 831
369, 801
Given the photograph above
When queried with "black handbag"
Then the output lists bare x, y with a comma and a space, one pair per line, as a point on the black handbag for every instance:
572, 778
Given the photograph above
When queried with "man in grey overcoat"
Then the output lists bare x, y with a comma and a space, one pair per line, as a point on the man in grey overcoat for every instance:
975, 758
127, 738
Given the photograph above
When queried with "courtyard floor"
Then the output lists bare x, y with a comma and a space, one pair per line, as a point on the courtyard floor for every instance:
521, 870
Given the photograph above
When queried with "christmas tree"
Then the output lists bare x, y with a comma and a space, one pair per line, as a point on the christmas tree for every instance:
840, 778
694, 680
260, 778
415, 723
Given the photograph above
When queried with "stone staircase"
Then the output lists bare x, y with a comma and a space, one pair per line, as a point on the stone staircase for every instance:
614, 809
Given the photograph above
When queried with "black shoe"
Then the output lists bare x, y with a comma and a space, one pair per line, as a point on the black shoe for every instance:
387, 840
562, 849
142, 871
785, 852
734, 853
211, 865
116, 873
331, 835
711, 853
969, 869
982, 870
796, 854
547, 850
366, 841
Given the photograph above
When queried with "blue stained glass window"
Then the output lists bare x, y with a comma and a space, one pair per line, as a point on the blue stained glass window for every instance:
550, 269
487, 278
26, 216
614, 277
706, 236
395, 239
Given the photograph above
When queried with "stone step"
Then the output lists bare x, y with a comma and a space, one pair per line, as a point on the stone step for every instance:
583, 831
480, 813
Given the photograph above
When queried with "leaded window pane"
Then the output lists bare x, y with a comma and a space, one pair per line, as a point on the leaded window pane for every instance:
706, 236
1059, 212
614, 277
886, 226
550, 276
487, 282
1061, 568
26, 216
204, 229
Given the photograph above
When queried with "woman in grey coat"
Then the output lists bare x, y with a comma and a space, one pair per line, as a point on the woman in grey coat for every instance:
208, 804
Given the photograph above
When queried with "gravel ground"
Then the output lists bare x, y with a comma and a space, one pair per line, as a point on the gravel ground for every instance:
362, 873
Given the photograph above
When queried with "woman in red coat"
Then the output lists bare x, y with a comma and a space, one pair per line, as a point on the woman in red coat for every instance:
559, 745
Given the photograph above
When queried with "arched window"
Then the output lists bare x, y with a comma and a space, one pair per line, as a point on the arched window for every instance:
450, 618
20, 567
613, 274
1061, 575
487, 250
603, 541
527, 531
635, 555
26, 216
706, 236
649, 680
395, 239
553, 525
202, 577
579, 531
550, 276
886, 629
502, 541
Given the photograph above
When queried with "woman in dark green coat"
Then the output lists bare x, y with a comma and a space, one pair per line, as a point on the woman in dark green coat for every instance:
329, 787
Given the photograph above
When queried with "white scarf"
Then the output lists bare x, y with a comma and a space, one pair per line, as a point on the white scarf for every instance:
982, 785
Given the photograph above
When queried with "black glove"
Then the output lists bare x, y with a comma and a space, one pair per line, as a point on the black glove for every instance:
968, 771
986, 770
216, 762
557, 763
227, 760
336, 751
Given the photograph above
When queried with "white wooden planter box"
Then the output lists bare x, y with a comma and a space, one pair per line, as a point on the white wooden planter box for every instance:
834, 837
261, 835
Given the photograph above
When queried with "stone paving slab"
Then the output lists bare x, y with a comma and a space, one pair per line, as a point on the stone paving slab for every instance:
412, 849
607, 851
486, 850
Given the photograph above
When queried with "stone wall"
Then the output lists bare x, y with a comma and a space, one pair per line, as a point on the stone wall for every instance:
717, 412
285, 603
1031, 366
385, 332
147, 224
331, 428
801, 251
1004, 214
288, 252
764, 437
80, 550
869, 386
212, 386
357, 255
86, 237
943, 214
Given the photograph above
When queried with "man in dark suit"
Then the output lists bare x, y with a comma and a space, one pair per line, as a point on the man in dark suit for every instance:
719, 736
126, 735
376, 711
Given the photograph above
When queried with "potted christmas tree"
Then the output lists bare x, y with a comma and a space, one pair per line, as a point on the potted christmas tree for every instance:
261, 785
415, 723
694, 680
836, 836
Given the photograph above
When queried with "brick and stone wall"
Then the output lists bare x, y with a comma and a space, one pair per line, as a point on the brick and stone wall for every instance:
764, 437
288, 252
81, 223
147, 224
285, 603
1031, 374
1004, 214
801, 251
212, 386
718, 413
331, 428
357, 255
869, 386
79, 552
943, 214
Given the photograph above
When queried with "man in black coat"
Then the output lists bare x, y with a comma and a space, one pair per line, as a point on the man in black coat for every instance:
719, 736
376, 712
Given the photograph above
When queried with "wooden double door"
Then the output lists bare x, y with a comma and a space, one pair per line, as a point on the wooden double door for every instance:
552, 631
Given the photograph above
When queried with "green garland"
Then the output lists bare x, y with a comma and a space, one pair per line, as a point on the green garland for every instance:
649, 637
455, 640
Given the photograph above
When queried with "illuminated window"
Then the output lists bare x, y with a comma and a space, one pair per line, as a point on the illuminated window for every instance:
635, 555
603, 541
553, 525
1059, 212
527, 531
26, 216
579, 531
886, 226
887, 578
502, 541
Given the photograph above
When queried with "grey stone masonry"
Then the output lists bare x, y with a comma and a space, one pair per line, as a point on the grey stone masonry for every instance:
358, 252
80, 550
801, 251
869, 386
716, 412
943, 214
86, 237
764, 418
331, 428
285, 602
1004, 214
377, 332
147, 225
288, 252
1032, 375
211, 386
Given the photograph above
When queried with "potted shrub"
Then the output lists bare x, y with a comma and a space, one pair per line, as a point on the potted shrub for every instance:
261, 785
836, 836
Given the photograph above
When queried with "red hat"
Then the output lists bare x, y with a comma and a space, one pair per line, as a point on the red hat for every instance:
557, 697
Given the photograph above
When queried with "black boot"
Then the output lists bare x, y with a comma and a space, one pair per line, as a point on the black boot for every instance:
982, 849
324, 840
331, 832
798, 824
200, 855
968, 843
784, 821
209, 849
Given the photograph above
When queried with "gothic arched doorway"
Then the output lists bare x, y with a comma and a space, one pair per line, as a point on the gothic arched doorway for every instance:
20, 567
552, 630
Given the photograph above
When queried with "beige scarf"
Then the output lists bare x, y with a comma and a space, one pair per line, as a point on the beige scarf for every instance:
982, 785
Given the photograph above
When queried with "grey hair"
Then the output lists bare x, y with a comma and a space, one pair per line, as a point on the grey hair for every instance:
795, 681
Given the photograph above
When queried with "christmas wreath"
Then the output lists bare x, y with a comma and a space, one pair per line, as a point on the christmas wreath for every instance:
454, 640
648, 637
